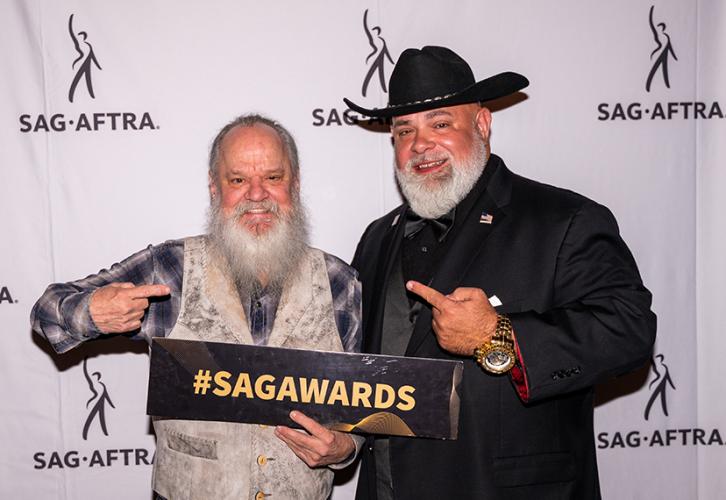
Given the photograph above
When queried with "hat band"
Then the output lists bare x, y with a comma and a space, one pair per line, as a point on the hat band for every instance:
423, 101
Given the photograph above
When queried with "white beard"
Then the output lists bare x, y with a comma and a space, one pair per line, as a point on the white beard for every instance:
272, 256
431, 196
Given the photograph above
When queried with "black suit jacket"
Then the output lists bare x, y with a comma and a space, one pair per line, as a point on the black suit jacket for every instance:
580, 314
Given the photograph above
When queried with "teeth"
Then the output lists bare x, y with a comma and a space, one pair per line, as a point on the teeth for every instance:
432, 164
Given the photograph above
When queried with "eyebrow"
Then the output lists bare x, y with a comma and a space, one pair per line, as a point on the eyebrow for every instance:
437, 112
264, 170
431, 114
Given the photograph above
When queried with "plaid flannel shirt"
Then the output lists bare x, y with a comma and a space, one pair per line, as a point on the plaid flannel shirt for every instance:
62, 315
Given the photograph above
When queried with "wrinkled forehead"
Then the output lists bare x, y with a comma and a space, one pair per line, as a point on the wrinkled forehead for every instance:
259, 145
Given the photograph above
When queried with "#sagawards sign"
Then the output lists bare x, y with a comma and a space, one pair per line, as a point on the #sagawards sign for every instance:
349, 392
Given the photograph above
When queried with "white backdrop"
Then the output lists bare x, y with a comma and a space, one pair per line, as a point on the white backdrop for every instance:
85, 183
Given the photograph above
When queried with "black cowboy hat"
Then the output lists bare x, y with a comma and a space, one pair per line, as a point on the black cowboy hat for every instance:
436, 77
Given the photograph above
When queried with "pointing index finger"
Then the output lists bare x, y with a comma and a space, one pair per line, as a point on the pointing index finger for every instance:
145, 291
433, 297
309, 424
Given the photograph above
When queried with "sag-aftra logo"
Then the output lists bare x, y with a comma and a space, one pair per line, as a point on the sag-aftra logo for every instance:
83, 65
376, 73
659, 77
96, 427
661, 389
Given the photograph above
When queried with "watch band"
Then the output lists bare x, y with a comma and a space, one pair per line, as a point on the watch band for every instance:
497, 355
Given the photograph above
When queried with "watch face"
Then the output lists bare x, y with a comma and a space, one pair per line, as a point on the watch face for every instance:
498, 361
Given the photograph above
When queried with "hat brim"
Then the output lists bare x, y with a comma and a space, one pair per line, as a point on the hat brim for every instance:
486, 90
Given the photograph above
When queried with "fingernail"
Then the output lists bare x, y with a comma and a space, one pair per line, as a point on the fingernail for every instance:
409, 285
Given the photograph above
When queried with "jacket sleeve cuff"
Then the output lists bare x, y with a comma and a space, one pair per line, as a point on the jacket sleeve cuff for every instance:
77, 316
358, 441
519, 374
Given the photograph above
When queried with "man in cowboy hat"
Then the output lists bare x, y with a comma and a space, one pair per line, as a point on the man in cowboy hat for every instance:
530, 285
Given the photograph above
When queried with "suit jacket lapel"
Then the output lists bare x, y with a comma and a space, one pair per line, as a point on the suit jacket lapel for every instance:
465, 247
391, 245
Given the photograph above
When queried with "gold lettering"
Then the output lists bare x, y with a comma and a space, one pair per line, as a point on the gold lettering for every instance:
287, 390
339, 393
405, 394
314, 391
243, 385
361, 393
390, 396
223, 387
265, 392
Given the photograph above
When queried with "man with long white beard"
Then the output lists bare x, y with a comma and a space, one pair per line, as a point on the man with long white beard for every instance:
504, 273
252, 279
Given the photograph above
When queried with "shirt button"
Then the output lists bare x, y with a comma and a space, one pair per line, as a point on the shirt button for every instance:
261, 460
258, 304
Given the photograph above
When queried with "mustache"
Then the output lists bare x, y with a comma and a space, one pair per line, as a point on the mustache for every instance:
244, 207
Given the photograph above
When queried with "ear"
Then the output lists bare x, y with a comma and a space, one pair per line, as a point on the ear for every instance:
484, 122
295, 185
212, 186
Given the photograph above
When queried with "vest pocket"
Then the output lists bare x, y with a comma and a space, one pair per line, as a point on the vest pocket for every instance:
186, 468
190, 445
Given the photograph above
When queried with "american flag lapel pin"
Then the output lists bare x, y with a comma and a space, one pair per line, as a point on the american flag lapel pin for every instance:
486, 218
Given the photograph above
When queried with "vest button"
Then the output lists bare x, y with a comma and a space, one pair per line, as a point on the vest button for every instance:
261, 460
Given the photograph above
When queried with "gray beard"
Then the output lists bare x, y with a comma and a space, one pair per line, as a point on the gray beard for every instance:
274, 255
431, 196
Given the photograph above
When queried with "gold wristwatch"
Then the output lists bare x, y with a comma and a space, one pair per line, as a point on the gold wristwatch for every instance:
496, 355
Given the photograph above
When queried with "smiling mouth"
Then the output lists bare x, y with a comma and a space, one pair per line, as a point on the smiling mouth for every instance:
257, 216
428, 166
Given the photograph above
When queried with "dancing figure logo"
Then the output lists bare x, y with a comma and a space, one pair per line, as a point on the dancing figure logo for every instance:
83, 64
659, 385
663, 50
379, 54
97, 402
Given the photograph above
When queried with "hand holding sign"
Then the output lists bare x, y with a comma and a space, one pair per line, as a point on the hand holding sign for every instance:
119, 307
318, 446
462, 320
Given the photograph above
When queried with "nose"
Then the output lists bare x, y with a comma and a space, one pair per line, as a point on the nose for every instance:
257, 190
422, 143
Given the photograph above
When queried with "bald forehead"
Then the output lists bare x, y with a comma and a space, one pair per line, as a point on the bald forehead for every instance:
258, 134
258, 142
